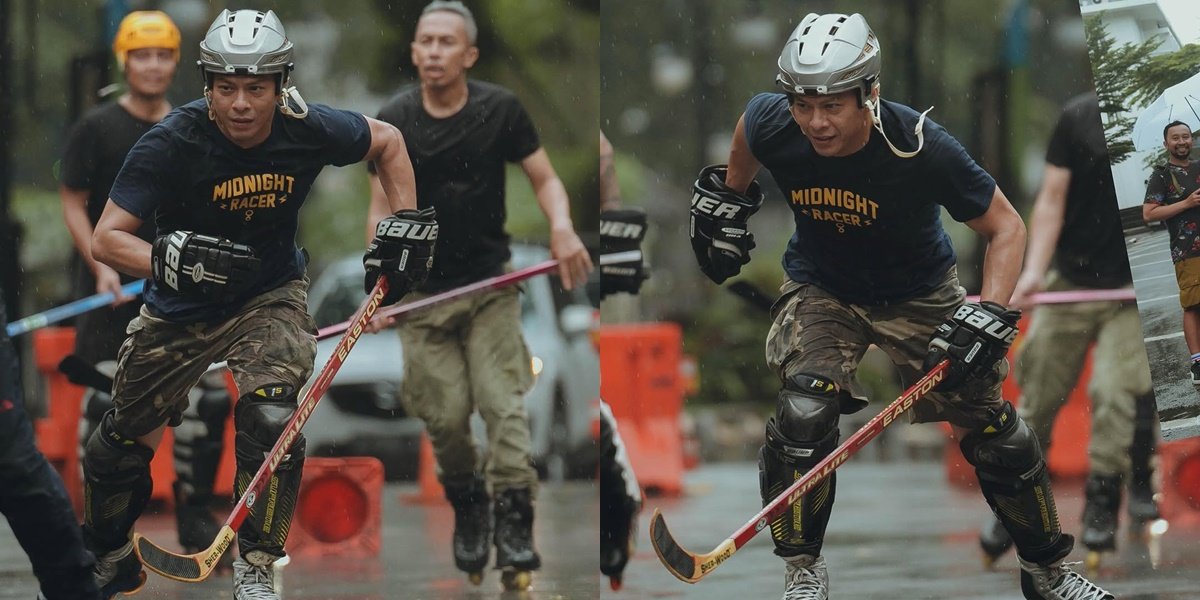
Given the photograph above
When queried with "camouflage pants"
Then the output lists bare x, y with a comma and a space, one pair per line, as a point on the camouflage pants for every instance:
814, 332
269, 342
465, 356
1051, 358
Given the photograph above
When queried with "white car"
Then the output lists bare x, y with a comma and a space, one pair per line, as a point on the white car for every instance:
362, 414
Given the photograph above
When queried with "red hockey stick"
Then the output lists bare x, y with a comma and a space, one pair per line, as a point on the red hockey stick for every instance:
691, 567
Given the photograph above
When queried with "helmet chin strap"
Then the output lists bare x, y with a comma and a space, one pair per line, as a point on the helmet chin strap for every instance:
874, 105
291, 94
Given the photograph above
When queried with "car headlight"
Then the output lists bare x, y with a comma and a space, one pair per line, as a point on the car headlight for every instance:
535, 365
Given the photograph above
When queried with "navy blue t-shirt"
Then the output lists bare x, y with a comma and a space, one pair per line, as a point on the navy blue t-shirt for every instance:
186, 175
868, 225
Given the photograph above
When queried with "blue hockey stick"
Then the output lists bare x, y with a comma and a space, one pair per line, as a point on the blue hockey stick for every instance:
70, 309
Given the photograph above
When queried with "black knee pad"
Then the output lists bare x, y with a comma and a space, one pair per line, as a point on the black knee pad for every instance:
1005, 450
807, 410
803, 431
117, 484
260, 418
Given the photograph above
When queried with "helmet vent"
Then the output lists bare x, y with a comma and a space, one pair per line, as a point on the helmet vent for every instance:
834, 30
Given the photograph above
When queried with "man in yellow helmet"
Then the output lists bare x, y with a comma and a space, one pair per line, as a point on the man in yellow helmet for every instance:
146, 47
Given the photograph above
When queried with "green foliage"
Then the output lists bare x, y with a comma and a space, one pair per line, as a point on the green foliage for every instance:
1163, 71
1117, 91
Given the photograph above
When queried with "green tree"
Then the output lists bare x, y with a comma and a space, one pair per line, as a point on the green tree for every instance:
1118, 92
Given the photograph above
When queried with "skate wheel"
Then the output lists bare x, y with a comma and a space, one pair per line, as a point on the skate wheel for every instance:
476, 578
989, 561
614, 582
1092, 562
516, 581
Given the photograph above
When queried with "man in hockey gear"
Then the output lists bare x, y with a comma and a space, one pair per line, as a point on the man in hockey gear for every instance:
621, 233
470, 355
234, 166
33, 498
721, 240
869, 263
402, 251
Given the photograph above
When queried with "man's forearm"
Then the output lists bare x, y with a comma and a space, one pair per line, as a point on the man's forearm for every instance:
1045, 227
123, 251
552, 199
1002, 265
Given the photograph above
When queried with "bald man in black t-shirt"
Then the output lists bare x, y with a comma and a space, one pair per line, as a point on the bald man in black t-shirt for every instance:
470, 355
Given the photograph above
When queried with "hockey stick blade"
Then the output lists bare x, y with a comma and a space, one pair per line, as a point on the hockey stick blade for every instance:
186, 567
84, 373
197, 567
690, 567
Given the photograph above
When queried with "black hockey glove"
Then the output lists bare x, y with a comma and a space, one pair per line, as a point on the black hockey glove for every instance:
720, 239
974, 339
622, 231
402, 251
203, 266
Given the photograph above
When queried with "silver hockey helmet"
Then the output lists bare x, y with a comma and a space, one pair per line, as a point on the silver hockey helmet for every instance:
250, 42
830, 54
246, 42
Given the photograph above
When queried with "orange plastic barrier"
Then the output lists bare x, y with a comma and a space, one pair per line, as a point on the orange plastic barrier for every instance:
339, 509
1179, 464
1072, 429
58, 433
642, 382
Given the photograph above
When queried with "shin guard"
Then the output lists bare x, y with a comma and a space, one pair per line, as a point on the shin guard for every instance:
1013, 478
803, 431
116, 488
259, 418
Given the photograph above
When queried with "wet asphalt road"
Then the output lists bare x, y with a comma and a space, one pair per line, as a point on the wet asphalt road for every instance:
1162, 327
898, 531
415, 562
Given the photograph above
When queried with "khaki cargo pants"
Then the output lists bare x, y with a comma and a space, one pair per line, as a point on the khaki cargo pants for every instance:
1051, 358
814, 332
269, 342
464, 356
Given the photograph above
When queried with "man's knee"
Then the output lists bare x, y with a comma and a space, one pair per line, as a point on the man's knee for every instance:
1004, 450
260, 417
114, 457
804, 429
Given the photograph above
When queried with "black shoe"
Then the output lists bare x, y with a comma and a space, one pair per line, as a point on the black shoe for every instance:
472, 523
1196, 373
514, 530
1103, 497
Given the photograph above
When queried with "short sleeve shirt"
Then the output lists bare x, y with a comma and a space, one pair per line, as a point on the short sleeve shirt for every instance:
459, 165
1169, 184
1091, 248
186, 175
868, 225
